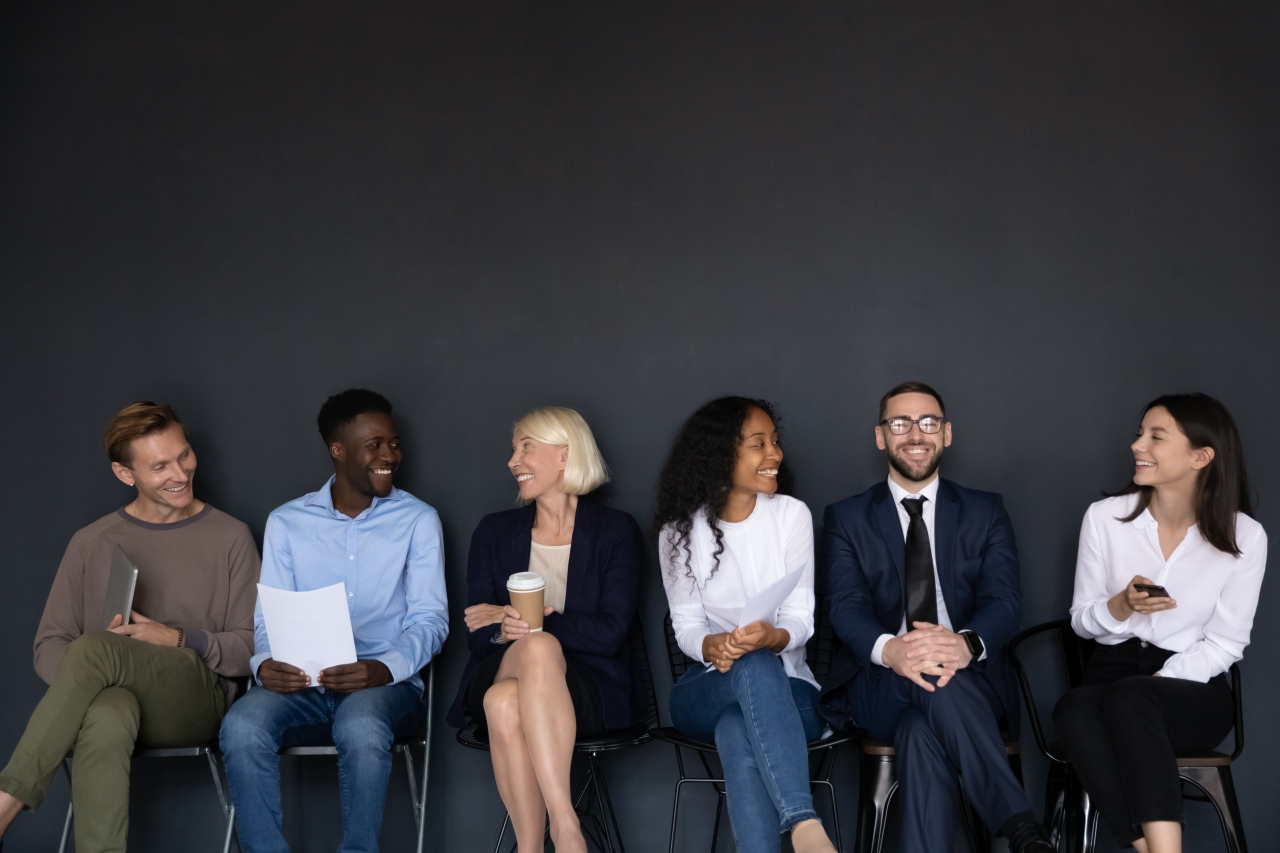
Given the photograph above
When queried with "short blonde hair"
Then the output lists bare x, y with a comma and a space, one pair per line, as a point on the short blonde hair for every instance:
585, 470
137, 420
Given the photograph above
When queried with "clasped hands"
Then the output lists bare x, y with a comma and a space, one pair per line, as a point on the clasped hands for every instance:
721, 650
928, 650
478, 616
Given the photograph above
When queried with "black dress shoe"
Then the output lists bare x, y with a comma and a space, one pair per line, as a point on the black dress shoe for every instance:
1029, 837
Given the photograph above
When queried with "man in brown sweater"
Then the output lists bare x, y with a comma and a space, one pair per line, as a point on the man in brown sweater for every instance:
163, 679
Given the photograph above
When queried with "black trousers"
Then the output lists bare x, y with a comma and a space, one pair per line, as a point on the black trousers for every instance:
1123, 729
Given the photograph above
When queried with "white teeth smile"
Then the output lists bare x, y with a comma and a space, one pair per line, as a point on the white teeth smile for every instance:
382, 470
768, 472
177, 489
523, 478
1142, 464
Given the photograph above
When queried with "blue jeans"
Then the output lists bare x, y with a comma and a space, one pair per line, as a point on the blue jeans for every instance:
761, 722
362, 725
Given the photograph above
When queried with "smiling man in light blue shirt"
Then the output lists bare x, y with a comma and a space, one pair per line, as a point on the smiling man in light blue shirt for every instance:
384, 546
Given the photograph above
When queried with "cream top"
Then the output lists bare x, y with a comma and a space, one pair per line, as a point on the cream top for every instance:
552, 562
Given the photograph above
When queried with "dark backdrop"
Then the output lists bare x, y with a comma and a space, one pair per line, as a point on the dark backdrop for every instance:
1053, 212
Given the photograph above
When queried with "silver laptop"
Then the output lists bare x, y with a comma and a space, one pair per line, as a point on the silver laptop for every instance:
120, 586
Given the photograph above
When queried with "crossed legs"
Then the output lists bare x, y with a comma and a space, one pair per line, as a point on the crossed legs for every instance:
532, 729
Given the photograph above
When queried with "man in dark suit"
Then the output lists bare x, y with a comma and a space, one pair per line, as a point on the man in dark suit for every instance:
923, 582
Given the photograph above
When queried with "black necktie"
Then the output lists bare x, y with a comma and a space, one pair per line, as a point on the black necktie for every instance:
922, 594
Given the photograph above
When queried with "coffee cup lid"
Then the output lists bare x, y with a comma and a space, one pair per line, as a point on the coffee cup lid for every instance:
526, 582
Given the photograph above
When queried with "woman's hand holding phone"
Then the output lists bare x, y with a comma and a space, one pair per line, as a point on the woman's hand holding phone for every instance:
1134, 600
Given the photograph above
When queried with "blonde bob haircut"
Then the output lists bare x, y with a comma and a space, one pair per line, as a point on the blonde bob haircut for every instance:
585, 470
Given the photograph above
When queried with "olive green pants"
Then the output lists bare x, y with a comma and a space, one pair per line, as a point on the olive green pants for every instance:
111, 693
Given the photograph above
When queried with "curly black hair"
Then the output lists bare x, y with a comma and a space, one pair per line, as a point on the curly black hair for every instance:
341, 409
698, 472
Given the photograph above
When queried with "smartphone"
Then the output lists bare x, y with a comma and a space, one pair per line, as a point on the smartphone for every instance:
1155, 590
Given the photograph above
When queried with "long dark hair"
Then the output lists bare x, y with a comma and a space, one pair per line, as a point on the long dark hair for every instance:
1223, 488
698, 473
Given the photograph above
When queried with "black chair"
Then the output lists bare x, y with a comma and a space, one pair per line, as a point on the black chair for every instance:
1068, 813
600, 829
209, 752
819, 653
405, 747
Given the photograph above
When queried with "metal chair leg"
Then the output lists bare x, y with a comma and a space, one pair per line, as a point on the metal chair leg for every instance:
1082, 817
975, 831
1217, 784
602, 788
71, 807
1055, 803
224, 798
879, 782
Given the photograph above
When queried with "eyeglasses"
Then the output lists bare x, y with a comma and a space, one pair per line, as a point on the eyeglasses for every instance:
929, 424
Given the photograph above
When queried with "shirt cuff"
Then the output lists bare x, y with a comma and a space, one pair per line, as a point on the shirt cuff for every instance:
1102, 614
877, 651
196, 640
398, 664
255, 662
982, 656
694, 638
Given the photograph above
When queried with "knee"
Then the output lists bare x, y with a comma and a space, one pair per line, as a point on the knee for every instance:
913, 729
540, 650
90, 648
362, 731
1072, 713
502, 706
244, 728
759, 665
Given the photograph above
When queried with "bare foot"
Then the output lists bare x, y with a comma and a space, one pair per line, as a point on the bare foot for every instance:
808, 836
9, 808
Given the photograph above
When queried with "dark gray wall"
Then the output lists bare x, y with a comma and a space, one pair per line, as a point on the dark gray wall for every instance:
1052, 211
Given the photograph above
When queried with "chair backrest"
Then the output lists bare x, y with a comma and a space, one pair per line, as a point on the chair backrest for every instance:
1074, 654
644, 697
820, 651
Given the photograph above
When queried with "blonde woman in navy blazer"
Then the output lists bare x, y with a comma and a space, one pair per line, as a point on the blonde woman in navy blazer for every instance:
535, 693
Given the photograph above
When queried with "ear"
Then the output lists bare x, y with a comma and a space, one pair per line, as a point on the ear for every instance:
946, 434
123, 474
336, 451
880, 438
564, 457
1201, 457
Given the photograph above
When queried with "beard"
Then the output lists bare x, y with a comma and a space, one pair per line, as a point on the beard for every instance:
916, 472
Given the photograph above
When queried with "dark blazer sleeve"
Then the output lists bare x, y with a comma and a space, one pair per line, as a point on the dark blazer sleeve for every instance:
852, 607
482, 586
998, 598
617, 556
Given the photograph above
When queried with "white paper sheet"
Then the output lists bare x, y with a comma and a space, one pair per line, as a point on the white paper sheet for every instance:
763, 606
310, 630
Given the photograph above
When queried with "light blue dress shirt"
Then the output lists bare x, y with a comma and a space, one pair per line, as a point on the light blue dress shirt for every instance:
391, 559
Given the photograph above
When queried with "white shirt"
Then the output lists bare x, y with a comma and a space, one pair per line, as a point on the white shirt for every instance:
776, 539
1216, 593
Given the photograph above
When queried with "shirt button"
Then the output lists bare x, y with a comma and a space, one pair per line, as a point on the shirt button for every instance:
1142, 643
353, 595
352, 557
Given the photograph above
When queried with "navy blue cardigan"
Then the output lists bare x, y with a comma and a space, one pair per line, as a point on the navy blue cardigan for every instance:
599, 600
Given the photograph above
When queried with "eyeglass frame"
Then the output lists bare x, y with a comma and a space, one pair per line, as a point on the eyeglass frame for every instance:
915, 424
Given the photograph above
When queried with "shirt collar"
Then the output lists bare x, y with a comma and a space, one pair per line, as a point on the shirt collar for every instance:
1144, 519
324, 498
930, 491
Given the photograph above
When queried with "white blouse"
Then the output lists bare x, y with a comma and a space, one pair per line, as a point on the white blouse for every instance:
776, 539
1216, 593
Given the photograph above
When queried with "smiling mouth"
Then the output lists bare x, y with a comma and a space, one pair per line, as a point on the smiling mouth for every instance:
1142, 463
176, 489
385, 472
766, 472
523, 478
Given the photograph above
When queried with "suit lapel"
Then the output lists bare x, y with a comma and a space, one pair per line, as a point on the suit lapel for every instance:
584, 524
891, 529
946, 519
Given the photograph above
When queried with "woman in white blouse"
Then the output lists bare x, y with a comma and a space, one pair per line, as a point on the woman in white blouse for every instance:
1156, 686
724, 535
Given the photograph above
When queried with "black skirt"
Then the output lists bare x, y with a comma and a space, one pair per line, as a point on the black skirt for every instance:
588, 707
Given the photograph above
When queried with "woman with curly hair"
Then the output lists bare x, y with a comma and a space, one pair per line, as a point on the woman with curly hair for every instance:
724, 533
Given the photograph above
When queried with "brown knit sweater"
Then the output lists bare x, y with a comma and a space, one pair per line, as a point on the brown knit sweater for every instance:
199, 574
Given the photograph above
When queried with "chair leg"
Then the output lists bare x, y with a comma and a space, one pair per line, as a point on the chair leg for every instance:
715, 830
1082, 817
224, 797
829, 760
878, 784
1055, 803
506, 820
66, 824
1217, 784
606, 804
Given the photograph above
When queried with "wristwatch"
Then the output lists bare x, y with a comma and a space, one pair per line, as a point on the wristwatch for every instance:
974, 642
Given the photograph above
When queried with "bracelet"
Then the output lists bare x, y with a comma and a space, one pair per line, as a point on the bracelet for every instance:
182, 637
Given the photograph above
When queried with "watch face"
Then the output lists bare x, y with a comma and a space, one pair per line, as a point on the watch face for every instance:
975, 644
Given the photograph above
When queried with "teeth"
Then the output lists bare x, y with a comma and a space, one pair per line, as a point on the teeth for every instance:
1142, 464
768, 472
524, 478
382, 470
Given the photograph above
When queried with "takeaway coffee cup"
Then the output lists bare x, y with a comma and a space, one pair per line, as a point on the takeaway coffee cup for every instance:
526, 591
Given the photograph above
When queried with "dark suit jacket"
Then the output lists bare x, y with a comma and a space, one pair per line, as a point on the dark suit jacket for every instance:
864, 553
600, 596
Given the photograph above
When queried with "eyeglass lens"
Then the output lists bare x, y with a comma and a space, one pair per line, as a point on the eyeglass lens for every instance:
902, 426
